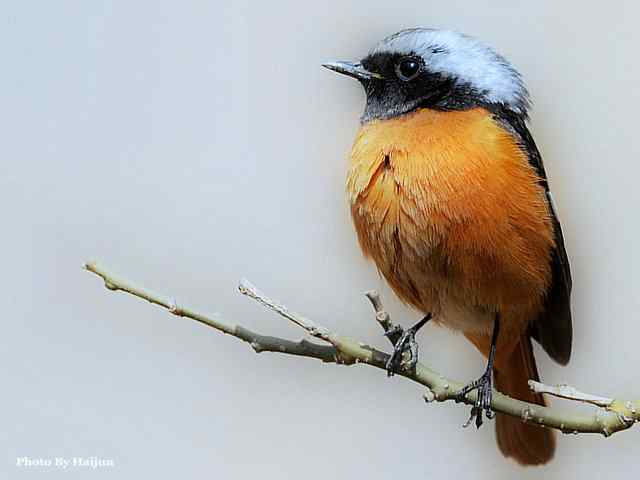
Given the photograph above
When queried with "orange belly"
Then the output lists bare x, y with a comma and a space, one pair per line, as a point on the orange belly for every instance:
450, 210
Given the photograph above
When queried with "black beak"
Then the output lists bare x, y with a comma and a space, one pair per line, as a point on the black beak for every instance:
355, 70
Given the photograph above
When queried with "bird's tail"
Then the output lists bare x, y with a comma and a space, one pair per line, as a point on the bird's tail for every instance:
528, 444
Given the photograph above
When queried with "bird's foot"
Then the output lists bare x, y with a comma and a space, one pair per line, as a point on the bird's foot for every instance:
406, 343
483, 385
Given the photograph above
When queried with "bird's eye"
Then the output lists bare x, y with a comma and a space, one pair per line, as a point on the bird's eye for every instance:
408, 68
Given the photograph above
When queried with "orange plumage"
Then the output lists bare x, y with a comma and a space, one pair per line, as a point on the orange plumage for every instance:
453, 214
449, 208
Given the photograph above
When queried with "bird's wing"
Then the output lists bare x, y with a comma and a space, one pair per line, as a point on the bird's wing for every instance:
552, 328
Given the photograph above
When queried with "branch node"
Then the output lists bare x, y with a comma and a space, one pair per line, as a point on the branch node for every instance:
173, 307
382, 316
625, 421
342, 359
631, 407
429, 396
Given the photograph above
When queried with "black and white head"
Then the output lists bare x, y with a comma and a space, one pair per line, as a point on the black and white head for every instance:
440, 69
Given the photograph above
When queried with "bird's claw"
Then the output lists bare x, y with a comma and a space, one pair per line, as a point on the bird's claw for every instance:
406, 343
395, 330
483, 401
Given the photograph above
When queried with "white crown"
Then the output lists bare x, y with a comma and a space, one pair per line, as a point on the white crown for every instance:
464, 58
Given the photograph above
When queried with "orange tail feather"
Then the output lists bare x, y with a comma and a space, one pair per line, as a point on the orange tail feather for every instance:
526, 443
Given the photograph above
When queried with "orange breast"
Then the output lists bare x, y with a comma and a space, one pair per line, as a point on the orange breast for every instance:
451, 212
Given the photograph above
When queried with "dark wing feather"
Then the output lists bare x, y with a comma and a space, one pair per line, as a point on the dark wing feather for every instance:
553, 327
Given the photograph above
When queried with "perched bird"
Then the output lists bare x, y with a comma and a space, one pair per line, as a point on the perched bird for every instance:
449, 197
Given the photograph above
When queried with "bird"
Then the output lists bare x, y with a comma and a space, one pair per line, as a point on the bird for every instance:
450, 199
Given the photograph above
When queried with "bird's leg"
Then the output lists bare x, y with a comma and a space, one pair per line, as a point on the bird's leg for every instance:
406, 342
483, 384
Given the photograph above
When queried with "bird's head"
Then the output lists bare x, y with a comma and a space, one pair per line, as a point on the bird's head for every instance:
440, 69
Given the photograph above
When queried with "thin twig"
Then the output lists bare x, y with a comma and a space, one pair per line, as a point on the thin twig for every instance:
616, 416
570, 393
247, 288
392, 331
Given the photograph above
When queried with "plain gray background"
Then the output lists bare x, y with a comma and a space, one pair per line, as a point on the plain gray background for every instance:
188, 144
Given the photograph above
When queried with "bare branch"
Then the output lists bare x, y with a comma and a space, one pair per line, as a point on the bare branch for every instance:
616, 415
259, 343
